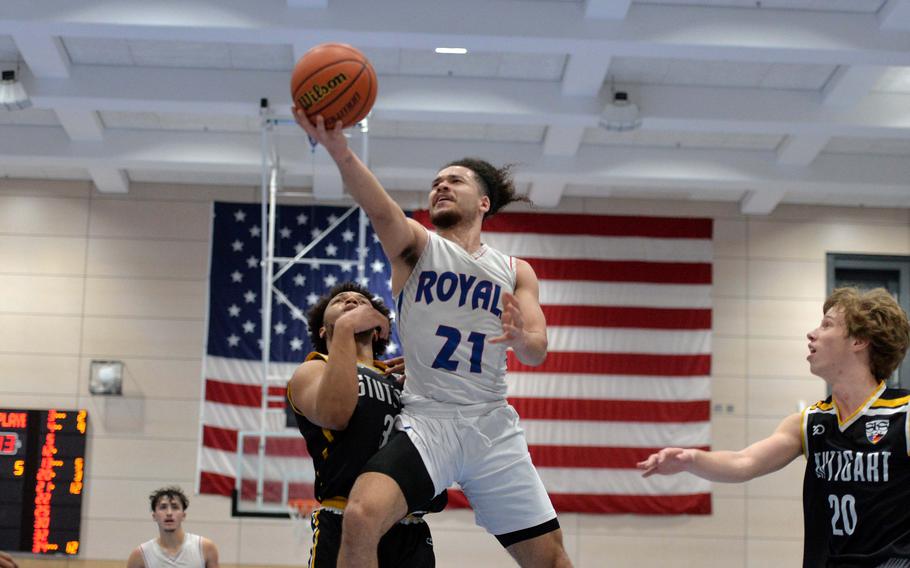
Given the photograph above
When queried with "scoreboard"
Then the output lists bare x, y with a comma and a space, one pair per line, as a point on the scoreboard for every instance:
42, 468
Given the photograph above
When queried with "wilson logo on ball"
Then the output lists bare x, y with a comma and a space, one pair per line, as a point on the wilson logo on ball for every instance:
317, 92
336, 81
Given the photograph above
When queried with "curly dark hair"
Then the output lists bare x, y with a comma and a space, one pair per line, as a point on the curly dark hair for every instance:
316, 315
496, 182
170, 492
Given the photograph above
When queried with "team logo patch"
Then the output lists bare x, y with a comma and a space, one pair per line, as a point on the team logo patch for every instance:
876, 430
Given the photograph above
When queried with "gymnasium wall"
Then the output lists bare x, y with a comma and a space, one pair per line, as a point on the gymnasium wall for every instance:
85, 276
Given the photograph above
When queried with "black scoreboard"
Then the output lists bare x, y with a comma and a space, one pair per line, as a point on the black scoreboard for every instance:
42, 465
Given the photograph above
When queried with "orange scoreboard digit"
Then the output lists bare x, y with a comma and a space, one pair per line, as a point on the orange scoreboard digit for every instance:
42, 473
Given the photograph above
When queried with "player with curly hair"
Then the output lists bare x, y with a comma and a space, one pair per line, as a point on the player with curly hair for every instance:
856, 489
461, 305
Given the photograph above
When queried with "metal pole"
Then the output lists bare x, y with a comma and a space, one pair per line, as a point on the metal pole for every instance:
362, 225
265, 273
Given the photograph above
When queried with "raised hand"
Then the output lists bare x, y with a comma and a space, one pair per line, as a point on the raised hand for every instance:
512, 322
332, 138
667, 462
364, 318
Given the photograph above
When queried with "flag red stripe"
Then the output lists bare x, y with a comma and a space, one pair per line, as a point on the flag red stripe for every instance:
607, 457
622, 271
240, 395
599, 225
641, 318
215, 483
225, 439
694, 504
618, 364
272, 490
612, 410
218, 484
601, 457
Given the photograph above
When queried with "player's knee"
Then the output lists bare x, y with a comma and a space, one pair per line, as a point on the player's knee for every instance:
361, 521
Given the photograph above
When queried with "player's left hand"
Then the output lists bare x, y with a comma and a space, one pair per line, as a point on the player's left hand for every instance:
512, 322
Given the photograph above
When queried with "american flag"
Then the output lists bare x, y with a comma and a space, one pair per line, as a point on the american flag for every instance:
232, 396
628, 308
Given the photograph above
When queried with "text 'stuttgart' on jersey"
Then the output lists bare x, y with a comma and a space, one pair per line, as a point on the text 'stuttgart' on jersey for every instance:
339, 455
449, 308
856, 489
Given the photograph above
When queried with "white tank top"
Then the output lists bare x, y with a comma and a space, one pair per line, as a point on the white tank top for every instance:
190, 555
449, 307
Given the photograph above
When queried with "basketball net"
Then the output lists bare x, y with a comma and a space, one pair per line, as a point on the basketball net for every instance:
300, 511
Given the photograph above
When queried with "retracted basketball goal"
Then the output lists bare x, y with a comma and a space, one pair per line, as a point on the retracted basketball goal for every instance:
274, 474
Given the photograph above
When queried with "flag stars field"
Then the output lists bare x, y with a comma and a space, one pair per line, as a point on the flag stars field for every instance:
232, 392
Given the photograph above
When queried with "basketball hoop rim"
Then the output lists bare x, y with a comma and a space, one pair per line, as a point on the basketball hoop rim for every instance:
301, 508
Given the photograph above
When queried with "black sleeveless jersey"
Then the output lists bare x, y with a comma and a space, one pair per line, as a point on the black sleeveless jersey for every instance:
339, 455
856, 489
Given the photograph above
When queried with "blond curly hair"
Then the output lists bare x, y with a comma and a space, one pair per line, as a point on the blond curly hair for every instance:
874, 315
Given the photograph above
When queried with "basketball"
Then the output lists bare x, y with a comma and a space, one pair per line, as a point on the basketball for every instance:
335, 80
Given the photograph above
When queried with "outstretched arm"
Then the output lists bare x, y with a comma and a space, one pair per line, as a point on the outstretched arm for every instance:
524, 327
399, 235
326, 392
762, 457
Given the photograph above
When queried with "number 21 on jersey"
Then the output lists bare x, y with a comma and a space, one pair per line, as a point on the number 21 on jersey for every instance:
444, 359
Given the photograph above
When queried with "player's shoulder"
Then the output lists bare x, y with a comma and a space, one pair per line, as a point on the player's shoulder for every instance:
136, 559
207, 543
316, 356
893, 398
312, 366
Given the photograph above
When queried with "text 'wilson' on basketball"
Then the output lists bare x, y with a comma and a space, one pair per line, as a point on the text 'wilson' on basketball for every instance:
318, 92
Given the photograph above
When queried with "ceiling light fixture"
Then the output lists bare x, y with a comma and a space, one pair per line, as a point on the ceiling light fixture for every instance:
452, 50
620, 114
12, 93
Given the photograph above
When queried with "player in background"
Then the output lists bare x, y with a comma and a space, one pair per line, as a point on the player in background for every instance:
174, 547
856, 488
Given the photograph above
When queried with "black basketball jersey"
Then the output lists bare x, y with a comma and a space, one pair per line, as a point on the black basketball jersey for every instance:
339, 455
856, 489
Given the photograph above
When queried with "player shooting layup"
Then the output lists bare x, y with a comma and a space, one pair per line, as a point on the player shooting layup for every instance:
461, 305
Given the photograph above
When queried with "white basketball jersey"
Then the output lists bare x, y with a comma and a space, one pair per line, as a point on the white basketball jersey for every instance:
448, 309
190, 555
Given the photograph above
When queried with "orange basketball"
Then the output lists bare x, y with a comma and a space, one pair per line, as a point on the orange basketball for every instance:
335, 80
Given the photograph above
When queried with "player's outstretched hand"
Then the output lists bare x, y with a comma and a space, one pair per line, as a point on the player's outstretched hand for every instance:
512, 322
666, 462
332, 138
6, 561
